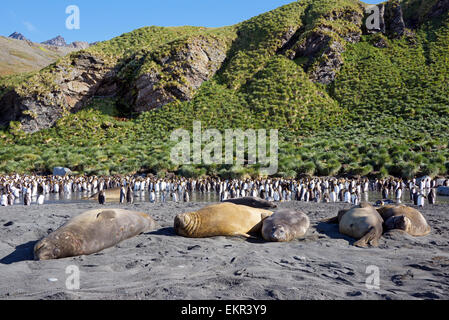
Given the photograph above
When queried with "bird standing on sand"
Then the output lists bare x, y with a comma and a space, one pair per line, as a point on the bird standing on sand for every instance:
122, 195
40, 199
432, 196
421, 200
398, 195
102, 197
27, 199
4, 200
129, 195
11, 199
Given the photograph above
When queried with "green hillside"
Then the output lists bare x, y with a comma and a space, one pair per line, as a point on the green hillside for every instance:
385, 113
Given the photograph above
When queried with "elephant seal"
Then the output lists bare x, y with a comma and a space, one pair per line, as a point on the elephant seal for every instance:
285, 225
112, 195
362, 222
405, 218
226, 219
92, 232
253, 202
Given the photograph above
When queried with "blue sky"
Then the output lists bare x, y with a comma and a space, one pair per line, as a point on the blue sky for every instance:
103, 20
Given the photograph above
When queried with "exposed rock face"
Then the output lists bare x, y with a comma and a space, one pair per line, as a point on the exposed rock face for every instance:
17, 36
439, 9
79, 45
323, 47
58, 42
187, 67
380, 43
178, 75
74, 86
394, 20
59, 171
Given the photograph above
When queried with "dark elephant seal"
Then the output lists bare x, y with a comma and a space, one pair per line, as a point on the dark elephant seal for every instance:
285, 225
92, 232
362, 222
404, 218
253, 202
226, 219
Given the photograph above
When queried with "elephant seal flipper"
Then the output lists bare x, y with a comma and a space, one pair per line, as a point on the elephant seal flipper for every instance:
370, 238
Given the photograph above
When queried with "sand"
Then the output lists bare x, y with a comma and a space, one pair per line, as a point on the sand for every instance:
162, 266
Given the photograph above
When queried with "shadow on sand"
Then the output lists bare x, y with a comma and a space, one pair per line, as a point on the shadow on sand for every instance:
331, 230
24, 252
168, 232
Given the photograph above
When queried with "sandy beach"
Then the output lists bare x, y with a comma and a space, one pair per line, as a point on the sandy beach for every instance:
163, 266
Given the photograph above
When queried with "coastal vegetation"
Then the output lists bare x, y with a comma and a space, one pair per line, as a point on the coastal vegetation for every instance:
386, 112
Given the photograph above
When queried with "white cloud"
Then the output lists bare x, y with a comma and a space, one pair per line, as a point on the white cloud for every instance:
29, 26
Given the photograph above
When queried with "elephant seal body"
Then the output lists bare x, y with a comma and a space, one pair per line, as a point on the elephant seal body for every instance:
285, 225
405, 218
111, 195
363, 223
253, 202
226, 219
92, 232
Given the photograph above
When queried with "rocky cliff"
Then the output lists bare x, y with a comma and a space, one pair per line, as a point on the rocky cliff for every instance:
151, 76
176, 74
70, 84
65, 87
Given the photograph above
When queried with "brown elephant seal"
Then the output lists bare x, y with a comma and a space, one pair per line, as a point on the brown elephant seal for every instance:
253, 202
92, 232
285, 225
362, 222
226, 219
405, 218
111, 195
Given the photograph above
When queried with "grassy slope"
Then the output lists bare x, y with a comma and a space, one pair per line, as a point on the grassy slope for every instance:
18, 56
386, 113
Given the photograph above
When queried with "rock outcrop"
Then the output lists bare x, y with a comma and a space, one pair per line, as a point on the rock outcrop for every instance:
177, 74
394, 20
147, 79
323, 46
57, 42
17, 36
439, 9
80, 45
174, 75
73, 84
